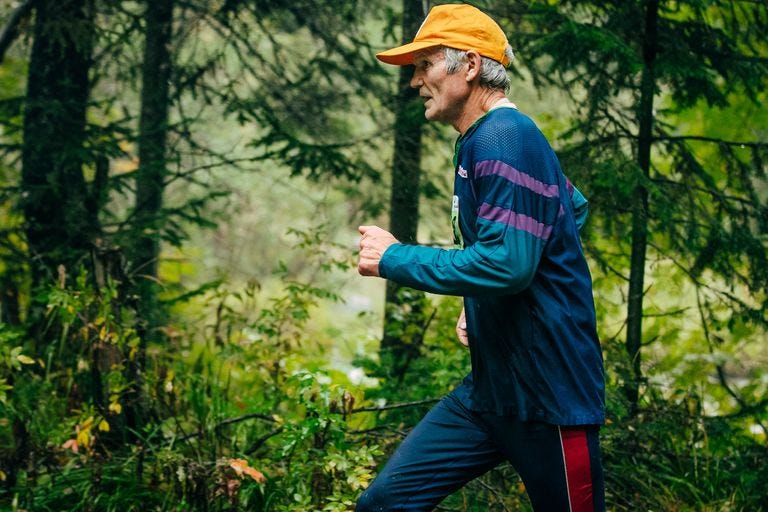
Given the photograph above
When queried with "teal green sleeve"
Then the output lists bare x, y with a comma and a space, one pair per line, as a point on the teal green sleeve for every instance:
580, 208
503, 261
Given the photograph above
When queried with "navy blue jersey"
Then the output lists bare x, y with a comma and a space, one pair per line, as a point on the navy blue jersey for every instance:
521, 270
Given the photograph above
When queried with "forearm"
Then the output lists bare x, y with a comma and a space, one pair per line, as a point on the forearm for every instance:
477, 270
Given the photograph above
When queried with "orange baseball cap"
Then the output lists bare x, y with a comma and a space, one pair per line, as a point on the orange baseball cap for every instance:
459, 26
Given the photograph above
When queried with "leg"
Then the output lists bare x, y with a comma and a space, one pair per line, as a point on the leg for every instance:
560, 466
448, 448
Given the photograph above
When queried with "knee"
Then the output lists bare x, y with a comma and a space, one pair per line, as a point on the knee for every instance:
373, 499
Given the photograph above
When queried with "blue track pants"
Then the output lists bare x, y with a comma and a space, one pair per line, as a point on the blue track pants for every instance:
451, 445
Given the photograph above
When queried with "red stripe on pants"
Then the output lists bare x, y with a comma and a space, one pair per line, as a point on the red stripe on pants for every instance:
578, 470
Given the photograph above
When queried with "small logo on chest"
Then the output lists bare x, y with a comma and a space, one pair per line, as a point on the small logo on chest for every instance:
462, 172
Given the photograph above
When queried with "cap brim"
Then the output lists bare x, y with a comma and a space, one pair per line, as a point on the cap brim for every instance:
403, 55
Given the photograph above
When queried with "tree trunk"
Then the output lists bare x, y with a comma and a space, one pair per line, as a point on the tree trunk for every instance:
54, 195
403, 308
640, 206
53, 189
150, 183
153, 133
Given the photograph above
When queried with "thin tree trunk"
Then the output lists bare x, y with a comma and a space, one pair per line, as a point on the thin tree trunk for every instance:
150, 178
404, 205
153, 133
640, 207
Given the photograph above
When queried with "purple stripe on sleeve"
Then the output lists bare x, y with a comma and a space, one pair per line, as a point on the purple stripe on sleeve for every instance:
516, 220
498, 168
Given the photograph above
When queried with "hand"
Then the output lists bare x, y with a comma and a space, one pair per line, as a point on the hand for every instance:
373, 243
461, 329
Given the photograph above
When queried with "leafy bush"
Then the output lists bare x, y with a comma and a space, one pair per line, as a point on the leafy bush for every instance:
234, 407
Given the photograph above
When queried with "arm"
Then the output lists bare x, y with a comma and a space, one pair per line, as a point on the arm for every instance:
487, 267
504, 262
514, 217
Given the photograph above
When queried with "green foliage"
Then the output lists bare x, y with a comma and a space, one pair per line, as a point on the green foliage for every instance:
693, 180
321, 469
197, 447
674, 458
244, 414
238, 402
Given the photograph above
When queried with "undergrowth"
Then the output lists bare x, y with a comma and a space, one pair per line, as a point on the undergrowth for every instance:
233, 407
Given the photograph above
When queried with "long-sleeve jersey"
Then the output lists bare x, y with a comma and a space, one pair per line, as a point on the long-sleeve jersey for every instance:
520, 267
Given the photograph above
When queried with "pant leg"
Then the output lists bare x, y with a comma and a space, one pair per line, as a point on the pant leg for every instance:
449, 447
560, 466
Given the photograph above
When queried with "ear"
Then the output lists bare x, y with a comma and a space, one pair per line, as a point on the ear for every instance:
474, 61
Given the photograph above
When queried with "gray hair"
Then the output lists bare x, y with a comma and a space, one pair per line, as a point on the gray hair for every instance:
493, 74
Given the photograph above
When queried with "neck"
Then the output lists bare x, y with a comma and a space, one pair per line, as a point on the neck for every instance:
478, 105
503, 102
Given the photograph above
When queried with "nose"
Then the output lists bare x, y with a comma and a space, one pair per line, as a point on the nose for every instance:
416, 80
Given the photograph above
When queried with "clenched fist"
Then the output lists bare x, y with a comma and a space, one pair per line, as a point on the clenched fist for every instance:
373, 242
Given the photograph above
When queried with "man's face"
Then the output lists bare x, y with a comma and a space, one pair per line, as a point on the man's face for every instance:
444, 95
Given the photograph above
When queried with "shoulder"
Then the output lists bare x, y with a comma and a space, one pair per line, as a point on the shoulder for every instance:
501, 133
506, 119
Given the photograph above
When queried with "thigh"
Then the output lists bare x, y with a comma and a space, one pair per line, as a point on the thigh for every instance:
448, 448
560, 466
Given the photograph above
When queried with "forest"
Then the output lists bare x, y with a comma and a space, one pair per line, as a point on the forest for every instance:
182, 323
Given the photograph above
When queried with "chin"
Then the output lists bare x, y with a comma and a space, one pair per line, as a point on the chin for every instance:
431, 115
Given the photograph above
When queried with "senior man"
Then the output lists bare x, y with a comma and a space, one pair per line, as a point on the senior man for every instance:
535, 393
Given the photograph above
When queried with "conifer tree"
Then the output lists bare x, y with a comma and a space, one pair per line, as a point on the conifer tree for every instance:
55, 199
404, 311
151, 175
